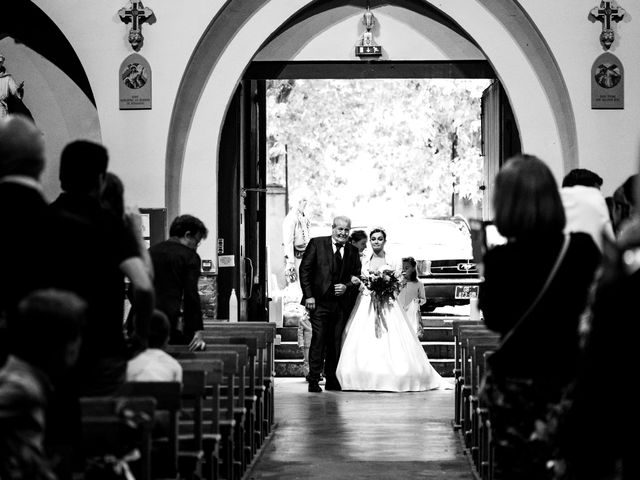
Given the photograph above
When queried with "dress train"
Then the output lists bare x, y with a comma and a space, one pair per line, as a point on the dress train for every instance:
395, 362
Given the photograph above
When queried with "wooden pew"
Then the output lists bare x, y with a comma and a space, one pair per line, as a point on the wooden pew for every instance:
105, 432
165, 436
253, 402
194, 393
476, 358
457, 368
266, 357
484, 427
218, 449
245, 405
468, 337
232, 422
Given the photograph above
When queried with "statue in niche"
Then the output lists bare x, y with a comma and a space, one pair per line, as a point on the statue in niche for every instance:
11, 94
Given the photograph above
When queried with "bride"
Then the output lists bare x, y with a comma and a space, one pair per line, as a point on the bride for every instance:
394, 362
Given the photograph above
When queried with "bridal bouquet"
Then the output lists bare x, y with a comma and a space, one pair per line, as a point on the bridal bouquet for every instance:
383, 285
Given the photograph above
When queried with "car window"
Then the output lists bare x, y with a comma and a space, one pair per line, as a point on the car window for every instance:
429, 240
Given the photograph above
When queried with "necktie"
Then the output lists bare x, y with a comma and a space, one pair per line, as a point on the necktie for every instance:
338, 256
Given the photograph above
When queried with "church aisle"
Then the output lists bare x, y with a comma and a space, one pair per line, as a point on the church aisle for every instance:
353, 435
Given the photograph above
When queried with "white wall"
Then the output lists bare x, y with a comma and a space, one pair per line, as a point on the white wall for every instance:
608, 140
136, 140
403, 34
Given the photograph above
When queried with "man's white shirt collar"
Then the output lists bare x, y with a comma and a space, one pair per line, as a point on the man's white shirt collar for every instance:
23, 180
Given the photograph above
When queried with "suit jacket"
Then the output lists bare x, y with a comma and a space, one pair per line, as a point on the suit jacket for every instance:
176, 272
22, 212
316, 269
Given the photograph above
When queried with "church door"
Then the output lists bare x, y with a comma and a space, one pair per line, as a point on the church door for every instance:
241, 204
500, 138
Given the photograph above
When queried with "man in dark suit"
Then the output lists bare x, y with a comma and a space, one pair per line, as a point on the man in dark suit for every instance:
176, 267
326, 270
22, 209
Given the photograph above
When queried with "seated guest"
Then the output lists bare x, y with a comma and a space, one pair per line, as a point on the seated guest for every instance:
45, 343
585, 208
154, 364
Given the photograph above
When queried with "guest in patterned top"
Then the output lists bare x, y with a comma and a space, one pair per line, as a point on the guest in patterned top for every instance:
45, 340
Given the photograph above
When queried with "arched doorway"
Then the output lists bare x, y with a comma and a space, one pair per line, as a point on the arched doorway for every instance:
505, 34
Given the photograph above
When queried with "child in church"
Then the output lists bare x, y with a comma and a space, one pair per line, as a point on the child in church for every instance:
154, 364
304, 339
45, 341
412, 295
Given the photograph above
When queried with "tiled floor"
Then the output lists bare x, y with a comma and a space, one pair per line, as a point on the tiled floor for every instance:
352, 435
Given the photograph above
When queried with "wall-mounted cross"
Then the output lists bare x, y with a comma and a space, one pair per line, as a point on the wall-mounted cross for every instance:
136, 14
607, 11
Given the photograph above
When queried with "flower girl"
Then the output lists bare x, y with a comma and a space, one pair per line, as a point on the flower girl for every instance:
412, 295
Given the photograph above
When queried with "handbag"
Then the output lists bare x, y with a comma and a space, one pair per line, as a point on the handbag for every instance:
497, 390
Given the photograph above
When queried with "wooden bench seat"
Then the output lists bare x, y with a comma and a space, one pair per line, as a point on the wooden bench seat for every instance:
254, 394
218, 426
266, 335
469, 336
105, 431
457, 367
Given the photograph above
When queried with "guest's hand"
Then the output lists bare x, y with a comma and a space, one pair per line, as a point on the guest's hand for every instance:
339, 289
310, 303
197, 343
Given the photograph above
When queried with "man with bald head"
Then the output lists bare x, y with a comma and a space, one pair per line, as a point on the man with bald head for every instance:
326, 269
22, 212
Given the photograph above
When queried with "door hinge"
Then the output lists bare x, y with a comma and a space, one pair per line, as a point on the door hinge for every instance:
243, 191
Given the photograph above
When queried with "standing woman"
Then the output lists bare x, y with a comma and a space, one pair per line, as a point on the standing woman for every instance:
358, 239
538, 354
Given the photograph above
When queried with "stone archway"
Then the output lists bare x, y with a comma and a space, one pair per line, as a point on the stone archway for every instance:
505, 33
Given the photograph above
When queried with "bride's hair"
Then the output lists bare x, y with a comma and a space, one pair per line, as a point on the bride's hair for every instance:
378, 230
411, 261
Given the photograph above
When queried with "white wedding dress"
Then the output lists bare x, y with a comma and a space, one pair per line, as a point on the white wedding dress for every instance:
395, 362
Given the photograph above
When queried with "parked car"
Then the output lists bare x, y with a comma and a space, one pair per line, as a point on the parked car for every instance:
443, 253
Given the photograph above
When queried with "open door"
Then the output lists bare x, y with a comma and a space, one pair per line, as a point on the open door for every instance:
500, 138
254, 196
242, 204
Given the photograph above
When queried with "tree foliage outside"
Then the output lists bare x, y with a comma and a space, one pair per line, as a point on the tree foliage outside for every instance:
376, 149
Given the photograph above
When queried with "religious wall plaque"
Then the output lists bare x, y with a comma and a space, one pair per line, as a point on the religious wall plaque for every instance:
134, 78
607, 12
607, 83
136, 14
